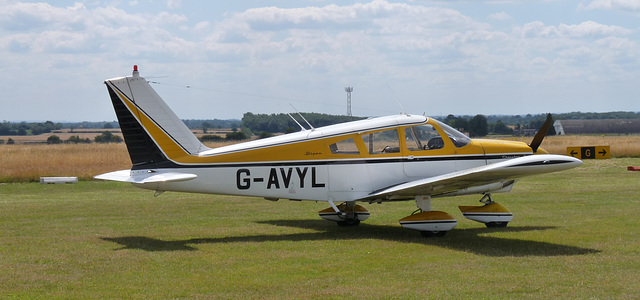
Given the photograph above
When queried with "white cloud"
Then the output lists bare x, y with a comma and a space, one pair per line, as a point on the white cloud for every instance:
500, 16
32, 16
538, 29
593, 29
202, 26
174, 4
624, 5
165, 18
76, 28
584, 29
377, 24
423, 50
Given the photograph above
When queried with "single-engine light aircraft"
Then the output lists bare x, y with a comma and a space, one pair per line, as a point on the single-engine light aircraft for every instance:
385, 159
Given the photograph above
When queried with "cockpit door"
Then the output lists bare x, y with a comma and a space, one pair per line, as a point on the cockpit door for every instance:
428, 152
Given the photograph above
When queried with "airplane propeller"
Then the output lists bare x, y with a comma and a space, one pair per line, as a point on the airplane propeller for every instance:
537, 139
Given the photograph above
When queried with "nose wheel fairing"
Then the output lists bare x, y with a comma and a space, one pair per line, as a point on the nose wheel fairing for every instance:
492, 214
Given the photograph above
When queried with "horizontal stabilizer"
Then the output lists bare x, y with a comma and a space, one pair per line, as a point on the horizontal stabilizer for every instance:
148, 176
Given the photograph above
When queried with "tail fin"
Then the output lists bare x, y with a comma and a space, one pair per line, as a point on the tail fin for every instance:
154, 135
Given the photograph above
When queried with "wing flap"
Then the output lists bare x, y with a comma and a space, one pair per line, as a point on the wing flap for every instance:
505, 171
141, 176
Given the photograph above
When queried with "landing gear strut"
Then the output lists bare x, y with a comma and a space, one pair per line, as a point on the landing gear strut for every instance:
486, 199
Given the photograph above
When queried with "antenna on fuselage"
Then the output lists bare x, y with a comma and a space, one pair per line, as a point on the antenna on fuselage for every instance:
301, 116
294, 119
404, 111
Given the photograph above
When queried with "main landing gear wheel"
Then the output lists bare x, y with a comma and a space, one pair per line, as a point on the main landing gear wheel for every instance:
496, 224
347, 214
349, 223
429, 234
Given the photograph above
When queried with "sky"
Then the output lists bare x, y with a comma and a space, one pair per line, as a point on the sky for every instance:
220, 59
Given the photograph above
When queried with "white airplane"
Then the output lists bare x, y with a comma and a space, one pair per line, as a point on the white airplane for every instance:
385, 159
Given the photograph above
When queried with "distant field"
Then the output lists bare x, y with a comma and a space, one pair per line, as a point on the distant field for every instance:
621, 145
65, 134
575, 235
28, 162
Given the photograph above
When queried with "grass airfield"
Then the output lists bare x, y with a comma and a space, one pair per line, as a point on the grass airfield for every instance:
575, 234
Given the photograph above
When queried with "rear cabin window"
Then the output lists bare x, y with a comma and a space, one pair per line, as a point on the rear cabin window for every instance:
382, 142
423, 137
347, 146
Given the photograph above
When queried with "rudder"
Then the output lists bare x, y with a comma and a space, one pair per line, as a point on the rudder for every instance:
154, 135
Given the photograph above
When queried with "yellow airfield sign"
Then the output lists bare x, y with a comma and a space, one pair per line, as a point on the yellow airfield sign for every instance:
590, 152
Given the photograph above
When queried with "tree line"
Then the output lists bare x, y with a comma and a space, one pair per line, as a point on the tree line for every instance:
477, 126
265, 125
480, 125
273, 123
105, 137
24, 128
234, 135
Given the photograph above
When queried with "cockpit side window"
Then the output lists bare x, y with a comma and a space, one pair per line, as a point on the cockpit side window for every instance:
382, 142
347, 146
423, 137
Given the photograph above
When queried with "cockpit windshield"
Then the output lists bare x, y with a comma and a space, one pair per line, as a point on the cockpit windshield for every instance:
457, 137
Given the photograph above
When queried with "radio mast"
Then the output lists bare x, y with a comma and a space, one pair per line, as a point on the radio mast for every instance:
348, 90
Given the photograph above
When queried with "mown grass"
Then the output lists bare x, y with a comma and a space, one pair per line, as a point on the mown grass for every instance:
575, 234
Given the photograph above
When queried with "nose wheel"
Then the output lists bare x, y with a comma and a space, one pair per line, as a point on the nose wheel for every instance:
348, 223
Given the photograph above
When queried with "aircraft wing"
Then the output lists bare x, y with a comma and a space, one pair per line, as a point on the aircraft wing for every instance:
499, 174
145, 176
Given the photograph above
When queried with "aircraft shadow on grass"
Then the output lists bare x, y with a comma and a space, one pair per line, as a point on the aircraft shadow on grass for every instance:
473, 240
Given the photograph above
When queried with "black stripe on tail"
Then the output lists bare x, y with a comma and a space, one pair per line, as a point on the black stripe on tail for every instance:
144, 153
